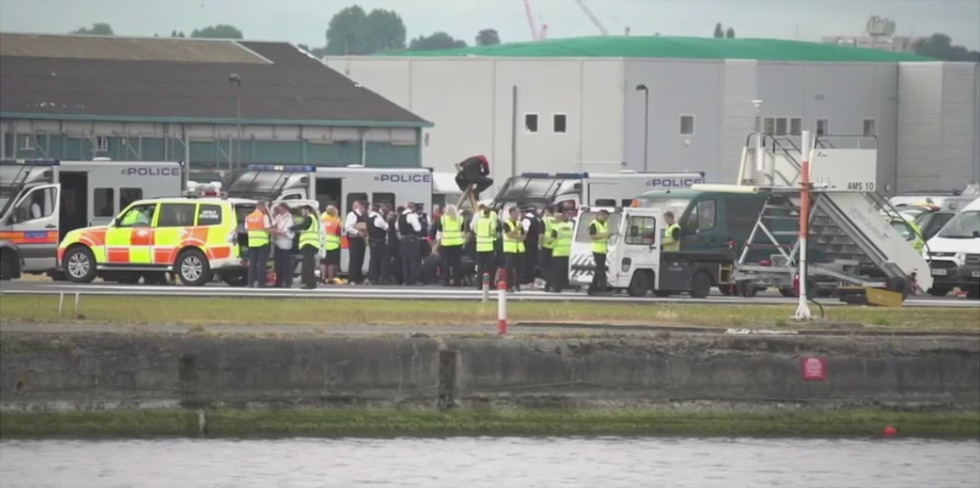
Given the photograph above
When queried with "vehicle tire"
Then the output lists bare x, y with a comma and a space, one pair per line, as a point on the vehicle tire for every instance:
79, 264
639, 284
940, 291
788, 292
193, 268
237, 279
726, 290
746, 289
6, 266
900, 285
700, 285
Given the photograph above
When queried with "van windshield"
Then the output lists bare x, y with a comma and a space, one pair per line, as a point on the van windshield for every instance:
966, 225
675, 206
586, 218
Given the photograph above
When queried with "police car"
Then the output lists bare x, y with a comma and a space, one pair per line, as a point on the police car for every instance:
194, 237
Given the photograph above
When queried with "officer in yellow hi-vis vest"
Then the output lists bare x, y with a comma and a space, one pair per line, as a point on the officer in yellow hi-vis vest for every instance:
562, 233
450, 228
308, 228
258, 225
484, 226
513, 248
549, 220
599, 234
671, 241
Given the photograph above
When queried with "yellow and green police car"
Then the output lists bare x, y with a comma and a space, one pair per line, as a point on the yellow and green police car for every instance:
194, 238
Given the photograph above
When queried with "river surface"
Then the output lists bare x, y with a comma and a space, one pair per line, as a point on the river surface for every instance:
490, 463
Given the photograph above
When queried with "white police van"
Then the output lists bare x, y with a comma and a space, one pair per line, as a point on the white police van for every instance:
340, 187
575, 190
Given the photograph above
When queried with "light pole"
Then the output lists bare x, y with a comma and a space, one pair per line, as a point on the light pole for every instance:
234, 79
646, 125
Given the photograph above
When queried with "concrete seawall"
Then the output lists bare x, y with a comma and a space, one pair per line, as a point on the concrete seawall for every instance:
117, 371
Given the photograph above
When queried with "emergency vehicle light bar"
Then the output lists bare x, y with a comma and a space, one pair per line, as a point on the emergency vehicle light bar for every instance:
290, 168
555, 175
32, 162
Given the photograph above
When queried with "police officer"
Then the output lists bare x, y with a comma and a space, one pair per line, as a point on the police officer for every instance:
451, 229
513, 239
377, 230
355, 226
484, 226
562, 233
671, 241
532, 238
258, 226
548, 222
411, 238
309, 245
599, 234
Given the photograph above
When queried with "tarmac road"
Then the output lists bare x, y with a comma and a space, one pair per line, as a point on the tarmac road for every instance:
417, 293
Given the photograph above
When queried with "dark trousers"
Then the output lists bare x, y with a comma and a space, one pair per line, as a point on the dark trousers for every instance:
378, 270
465, 180
395, 260
308, 271
283, 266
452, 265
486, 262
599, 275
411, 254
544, 262
258, 265
530, 269
512, 269
558, 273
355, 265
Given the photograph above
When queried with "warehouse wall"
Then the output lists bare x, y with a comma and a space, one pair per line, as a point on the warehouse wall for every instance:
472, 102
850, 97
210, 147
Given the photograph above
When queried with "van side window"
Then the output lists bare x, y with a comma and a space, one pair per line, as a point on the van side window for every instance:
209, 215
129, 195
105, 202
605, 202
640, 231
176, 215
383, 199
351, 198
706, 214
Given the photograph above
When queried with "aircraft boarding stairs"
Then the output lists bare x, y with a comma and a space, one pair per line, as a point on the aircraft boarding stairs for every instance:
851, 239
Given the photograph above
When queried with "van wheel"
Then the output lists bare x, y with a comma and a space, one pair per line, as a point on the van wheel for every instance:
899, 285
700, 285
193, 268
639, 284
79, 265
6, 266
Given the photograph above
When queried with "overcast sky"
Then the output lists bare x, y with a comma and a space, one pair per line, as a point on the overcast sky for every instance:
305, 21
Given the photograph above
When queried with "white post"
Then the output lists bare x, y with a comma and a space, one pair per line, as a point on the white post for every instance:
502, 307
78, 302
803, 310
61, 304
486, 287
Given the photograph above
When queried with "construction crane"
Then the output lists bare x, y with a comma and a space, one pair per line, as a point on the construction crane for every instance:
592, 17
536, 34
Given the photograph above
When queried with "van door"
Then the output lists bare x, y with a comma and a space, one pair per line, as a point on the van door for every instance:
33, 227
701, 228
640, 243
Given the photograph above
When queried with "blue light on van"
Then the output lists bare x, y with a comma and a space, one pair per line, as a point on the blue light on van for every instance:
535, 175
32, 162
569, 176
291, 168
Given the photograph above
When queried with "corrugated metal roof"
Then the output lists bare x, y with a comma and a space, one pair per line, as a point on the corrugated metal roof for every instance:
678, 47
126, 49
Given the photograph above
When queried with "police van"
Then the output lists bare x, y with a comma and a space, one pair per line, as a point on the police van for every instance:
340, 187
42, 200
574, 190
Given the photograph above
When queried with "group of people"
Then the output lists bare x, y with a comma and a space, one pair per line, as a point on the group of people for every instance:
279, 233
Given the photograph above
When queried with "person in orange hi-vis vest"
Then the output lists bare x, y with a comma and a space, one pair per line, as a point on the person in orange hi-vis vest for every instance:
258, 226
330, 263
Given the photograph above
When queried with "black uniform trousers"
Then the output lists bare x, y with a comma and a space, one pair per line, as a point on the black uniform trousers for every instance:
283, 266
598, 284
513, 261
558, 273
308, 271
452, 265
545, 264
378, 270
486, 263
258, 265
530, 269
411, 257
357, 247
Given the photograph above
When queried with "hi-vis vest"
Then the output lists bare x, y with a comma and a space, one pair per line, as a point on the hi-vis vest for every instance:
511, 245
255, 227
332, 227
668, 243
310, 236
600, 245
452, 236
486, 230
548, 242
919, 242
563, 243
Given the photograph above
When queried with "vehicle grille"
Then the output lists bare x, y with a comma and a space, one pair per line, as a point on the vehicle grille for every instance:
942, 264
973, 259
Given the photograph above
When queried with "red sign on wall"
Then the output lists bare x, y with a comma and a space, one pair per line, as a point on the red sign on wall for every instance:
814, 369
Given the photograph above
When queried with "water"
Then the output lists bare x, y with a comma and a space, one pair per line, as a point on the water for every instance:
490, 463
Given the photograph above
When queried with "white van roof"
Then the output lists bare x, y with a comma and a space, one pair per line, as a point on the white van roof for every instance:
974, 205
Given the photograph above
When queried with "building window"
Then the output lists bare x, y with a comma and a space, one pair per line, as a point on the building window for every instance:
531, 123
687, 125
796, 126
27, 143
869, 127
101, 144
822, 126
769, 125
782, 127
105, 201
559, 123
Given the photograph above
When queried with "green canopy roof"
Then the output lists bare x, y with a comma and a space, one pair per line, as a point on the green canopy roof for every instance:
677, 47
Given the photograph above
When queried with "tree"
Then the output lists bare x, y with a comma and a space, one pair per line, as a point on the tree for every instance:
437, 41
97, 29
940, 46
352, 31
177, 33
730, 33
220, 31
719, 31
487, 37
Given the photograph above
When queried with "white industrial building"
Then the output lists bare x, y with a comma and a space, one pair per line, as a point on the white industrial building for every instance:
556, 106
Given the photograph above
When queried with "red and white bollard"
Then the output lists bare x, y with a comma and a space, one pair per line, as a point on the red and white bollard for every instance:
486, 287
502, 307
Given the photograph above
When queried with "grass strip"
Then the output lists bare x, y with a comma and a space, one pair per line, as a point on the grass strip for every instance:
359, 422
332, 311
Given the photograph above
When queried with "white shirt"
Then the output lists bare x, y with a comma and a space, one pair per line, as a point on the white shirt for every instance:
526, 223
282, 223
349, 223
379, 221
413, 219
36, 211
